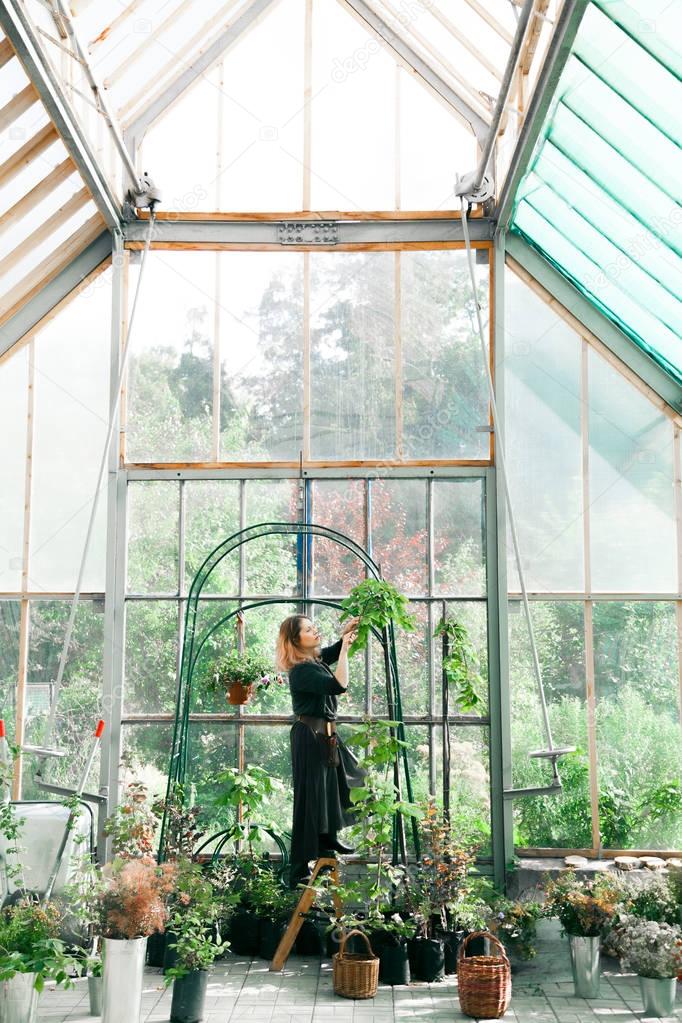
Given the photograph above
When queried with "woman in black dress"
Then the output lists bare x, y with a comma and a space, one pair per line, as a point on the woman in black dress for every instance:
324, 770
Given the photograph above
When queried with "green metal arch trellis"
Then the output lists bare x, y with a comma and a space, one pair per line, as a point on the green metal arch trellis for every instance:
194, 642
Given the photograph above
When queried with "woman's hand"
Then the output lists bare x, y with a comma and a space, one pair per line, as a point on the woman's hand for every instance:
350, 626
346, 639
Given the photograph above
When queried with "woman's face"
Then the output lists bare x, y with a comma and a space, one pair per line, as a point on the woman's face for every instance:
309, 636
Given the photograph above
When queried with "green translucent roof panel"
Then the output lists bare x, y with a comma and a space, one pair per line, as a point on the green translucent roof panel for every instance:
602, 196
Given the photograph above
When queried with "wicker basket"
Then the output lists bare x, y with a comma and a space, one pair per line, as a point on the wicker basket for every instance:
356, 974
484, 982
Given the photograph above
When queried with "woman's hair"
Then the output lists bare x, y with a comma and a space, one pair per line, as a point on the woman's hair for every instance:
288, 652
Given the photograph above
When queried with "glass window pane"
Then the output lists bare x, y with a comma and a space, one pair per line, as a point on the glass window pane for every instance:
543, 441
341, 505
469, 780
562, 821
10, 611
71, 419
458, 537
151, 652
271, 561
399, 532
632, 513
80, 700
260, 315
211, 516
412, 651
13, 407
639, 740
473, 616
352, 327
354, 79
170, 379
269, 747
153, 537
445, 391
148, 748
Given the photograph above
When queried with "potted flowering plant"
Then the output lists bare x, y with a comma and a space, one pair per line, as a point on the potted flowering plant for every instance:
237, 674
132, 905
653, 951
586, 909
514, 923
194, 910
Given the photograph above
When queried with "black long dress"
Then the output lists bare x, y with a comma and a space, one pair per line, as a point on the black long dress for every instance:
322, 804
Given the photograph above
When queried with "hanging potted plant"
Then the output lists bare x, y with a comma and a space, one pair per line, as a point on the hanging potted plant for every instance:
237, 674
195, 908
653, 951
586, 910
460, 666
376, 604
132, 906
31, 952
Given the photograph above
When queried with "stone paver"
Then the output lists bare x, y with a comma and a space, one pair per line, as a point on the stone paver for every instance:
240, 990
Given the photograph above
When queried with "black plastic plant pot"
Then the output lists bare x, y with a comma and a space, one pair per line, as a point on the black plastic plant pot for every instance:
271, 933
156, 949
309, 941
189, 996
170, 955
244, 934
394, 964
477, 947
451, 942
429, 961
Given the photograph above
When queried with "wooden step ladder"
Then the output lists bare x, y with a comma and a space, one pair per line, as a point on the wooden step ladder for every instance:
304, 906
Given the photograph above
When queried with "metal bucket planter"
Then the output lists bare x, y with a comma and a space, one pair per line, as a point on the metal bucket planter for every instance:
585, 966
18, 999
658, 996
189, 996
123, 979
95, 995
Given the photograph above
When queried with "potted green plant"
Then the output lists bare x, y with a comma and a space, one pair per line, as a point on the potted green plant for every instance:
237, 673
653, 950
586, 909
376, 603
194, 909
376, 893
441, 889
272, 903
132, 906
31, 952
460, 666
132, 826
514, 922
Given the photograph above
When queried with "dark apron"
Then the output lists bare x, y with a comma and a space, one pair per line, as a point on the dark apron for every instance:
322, 804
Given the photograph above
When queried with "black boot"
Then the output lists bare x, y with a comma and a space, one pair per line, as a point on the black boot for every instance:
331, 842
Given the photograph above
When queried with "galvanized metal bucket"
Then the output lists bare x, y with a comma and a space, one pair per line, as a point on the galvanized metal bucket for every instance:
585, 966
95, 995
18, 999
123, 979
658, 996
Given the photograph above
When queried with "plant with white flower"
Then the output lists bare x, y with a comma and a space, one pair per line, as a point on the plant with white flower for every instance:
651, 949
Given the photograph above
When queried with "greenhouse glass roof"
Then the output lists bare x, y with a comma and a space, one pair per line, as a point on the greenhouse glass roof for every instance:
601, 197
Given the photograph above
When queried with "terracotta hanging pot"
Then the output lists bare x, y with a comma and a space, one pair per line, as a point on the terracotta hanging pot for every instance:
238, 693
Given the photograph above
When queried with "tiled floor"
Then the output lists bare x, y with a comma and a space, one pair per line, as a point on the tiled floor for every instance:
302, 993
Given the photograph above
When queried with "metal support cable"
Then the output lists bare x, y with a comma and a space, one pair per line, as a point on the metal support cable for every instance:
113, 418
500, 454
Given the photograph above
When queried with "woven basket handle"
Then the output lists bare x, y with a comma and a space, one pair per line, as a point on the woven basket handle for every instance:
482, 934
349, 934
